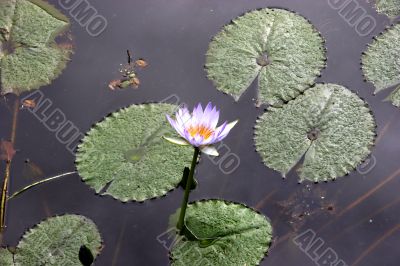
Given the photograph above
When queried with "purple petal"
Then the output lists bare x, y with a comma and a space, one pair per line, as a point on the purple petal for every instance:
175, 125
205, 120
224, 131
183, 117
187, 136
214, 117
208, 109
210, 140
198, 140
197, 111
221, 128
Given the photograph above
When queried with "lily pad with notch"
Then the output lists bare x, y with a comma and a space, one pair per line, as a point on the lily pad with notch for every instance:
55, 241
329, 126
381, 63
280, 48
222, 233
29, 55
124, 155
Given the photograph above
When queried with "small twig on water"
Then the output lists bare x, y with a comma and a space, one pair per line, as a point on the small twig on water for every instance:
40, 182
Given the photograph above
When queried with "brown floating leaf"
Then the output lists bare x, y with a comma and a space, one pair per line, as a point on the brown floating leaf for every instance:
66, 45
114, 84
141, 63
29, 103
128, 72
135, 82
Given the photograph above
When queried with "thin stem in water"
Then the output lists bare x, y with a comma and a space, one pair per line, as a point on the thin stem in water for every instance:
40, 182
6, 179
185, 200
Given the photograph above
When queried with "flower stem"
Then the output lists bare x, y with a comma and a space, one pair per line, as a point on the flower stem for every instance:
187, 191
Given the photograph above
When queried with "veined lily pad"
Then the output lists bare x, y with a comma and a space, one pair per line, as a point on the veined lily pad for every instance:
279, 47
381, 62
390, 8
224, 233
125, 156
55, 241
329, 125
29, 56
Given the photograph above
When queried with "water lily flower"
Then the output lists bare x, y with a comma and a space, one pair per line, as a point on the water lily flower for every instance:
199, 128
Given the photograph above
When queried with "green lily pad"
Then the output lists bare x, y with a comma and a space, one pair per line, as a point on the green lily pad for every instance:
329, 125
29, 55
225, 234
279, 47
394, 97
55, 241
125, 156
6, 257
390, 8
6, 14
381, 64
41, 62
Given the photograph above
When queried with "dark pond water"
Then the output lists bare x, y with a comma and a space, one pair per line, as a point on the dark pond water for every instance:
357, 216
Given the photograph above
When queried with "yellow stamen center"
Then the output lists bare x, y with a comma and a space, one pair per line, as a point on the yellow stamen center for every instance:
202, 130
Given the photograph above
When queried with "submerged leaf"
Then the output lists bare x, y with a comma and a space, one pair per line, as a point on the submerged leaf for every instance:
279, 47
381, 64
222, 233
390, 8
7, 150
29, 56
125, 156
55, 241
329, 125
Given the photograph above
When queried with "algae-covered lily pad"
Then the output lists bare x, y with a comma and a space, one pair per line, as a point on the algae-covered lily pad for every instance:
390, 8
223, 233
125, 156
6, 257
381, 62
29, 55
329, 125
55, 241
279, 47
